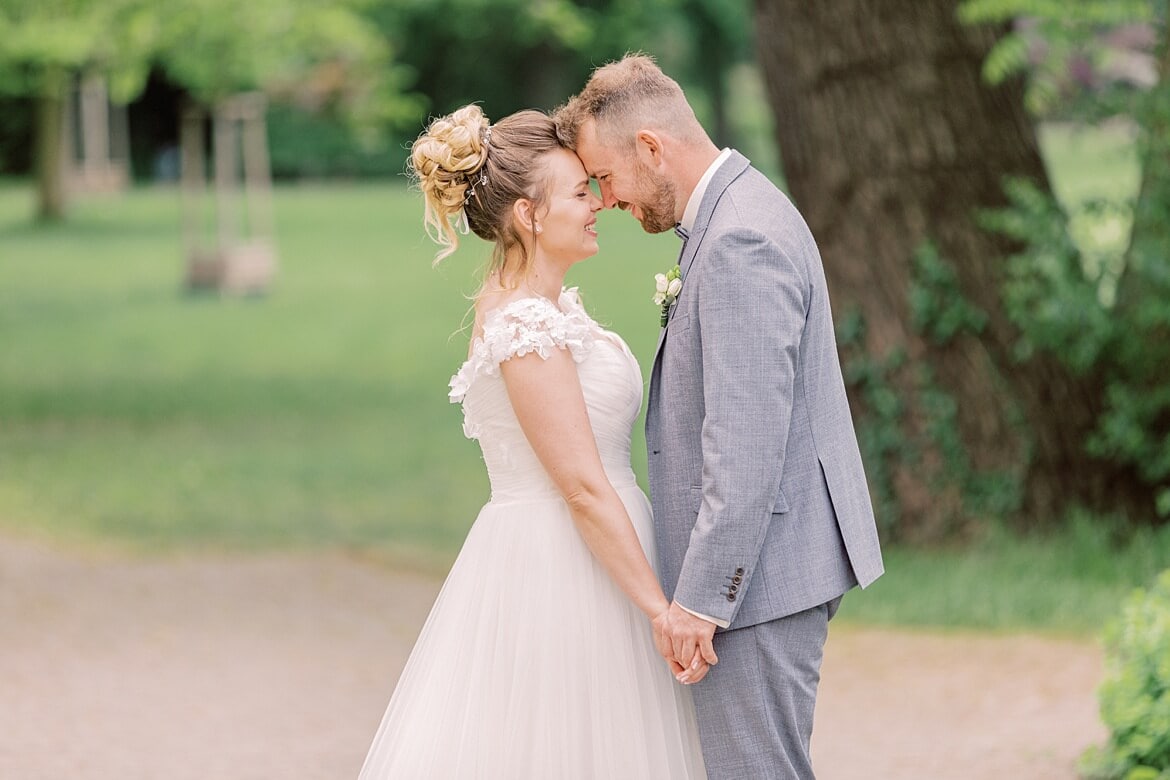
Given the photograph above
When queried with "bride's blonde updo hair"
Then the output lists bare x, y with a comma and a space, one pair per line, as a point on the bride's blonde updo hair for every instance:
469, 169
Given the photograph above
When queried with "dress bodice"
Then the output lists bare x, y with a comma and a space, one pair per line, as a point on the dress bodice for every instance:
611, 383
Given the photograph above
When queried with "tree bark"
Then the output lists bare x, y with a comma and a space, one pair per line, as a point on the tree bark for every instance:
50, 147
890, 138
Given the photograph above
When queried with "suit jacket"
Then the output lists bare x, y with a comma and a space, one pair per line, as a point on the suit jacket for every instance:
761, 507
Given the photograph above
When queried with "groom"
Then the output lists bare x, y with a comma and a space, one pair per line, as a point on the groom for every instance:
761, 510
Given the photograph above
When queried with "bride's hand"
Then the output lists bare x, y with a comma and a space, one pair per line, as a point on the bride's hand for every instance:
696, 671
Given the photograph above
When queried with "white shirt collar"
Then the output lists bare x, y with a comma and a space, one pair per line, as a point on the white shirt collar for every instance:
691, 212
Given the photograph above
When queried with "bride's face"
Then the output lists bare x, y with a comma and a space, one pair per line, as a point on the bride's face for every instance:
568, 221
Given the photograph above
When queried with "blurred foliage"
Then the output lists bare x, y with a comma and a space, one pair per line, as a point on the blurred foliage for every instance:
216, 49
352, 82
1067, 49
1135, 697
322, 57
327, 68
15, 133
39, 38
1050, 293
879, 433
458, 52
319, 145
213, 48
937, 306
1100, 307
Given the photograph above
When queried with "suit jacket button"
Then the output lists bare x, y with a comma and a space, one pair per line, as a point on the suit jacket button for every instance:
737, 579
739, 571
733, 590
731, 597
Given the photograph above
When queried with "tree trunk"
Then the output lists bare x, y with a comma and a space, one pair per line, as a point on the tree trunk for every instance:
889, 139
50, 146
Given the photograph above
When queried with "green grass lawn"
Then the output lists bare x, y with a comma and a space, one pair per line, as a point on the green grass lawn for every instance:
318, 414
134, 414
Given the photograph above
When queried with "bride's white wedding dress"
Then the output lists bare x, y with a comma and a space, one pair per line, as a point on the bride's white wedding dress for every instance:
533, 663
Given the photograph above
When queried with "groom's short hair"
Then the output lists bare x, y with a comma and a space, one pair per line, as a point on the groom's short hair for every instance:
624, 97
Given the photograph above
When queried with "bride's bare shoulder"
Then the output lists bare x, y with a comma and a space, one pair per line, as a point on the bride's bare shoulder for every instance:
493, 299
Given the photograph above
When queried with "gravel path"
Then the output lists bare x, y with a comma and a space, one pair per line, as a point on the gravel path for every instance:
116, 667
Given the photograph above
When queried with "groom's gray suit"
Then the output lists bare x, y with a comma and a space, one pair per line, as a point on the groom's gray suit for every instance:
761, 509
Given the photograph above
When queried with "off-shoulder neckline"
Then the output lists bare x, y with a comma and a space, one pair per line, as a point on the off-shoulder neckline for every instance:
567, 293
480, 359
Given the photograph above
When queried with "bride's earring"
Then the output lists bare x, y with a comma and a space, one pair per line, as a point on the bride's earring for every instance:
539, 228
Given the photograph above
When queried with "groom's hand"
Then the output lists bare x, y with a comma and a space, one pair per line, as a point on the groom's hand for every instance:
690, 643
664, 643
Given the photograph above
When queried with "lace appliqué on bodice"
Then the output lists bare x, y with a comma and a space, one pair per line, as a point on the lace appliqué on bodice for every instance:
518, 328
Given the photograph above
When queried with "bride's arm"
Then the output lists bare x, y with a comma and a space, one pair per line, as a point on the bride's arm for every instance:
546, 396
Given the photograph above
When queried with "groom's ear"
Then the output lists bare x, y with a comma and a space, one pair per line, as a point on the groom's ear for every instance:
648, 147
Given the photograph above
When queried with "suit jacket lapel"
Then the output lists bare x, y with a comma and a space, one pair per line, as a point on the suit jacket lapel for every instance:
732, 167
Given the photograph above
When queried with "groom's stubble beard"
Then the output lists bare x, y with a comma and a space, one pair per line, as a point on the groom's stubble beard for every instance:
656, 199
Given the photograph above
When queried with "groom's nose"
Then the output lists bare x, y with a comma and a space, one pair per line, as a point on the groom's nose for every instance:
607, 196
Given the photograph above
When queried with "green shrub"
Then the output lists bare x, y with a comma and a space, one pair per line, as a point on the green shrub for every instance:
1135, 697
1105, 314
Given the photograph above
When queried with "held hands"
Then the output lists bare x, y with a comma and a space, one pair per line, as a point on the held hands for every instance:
684, 641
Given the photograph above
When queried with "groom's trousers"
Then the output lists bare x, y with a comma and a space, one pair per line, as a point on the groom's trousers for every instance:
755, 707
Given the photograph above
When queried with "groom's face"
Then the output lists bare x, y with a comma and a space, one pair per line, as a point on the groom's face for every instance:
627, 182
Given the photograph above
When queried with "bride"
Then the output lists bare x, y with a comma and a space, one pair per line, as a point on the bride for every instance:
538, 659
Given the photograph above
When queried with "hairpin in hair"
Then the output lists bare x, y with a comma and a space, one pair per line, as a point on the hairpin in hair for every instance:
478, 181
486, 135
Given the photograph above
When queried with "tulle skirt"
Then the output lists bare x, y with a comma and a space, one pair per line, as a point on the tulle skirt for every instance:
533, 664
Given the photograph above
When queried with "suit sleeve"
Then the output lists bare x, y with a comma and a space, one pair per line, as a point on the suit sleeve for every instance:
752, 307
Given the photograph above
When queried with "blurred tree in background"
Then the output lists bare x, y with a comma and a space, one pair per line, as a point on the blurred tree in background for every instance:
318, 55
323, 56
44, 43
894, 145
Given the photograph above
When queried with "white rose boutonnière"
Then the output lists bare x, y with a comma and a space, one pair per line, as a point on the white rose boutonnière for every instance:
666, 289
